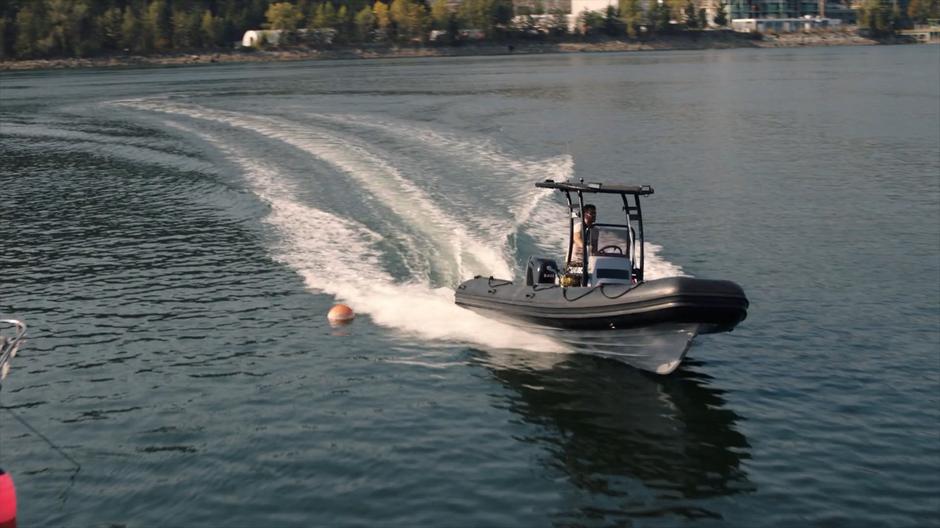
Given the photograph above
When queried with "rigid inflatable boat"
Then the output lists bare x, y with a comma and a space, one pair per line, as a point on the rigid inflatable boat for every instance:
610, 293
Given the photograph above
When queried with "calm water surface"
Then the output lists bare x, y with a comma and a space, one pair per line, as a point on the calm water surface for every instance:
175, 236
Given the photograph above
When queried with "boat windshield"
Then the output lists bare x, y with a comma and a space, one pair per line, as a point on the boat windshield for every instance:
610, 240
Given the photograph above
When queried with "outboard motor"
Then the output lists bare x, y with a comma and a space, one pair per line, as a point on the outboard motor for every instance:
540, 271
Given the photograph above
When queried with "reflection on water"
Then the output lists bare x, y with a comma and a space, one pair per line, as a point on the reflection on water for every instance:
639, 444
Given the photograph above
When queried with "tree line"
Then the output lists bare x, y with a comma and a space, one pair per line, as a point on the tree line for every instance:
80, 28
885, 18
32, 29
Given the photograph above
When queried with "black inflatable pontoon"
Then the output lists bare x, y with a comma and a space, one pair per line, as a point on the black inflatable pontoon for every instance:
609, 293
716, 305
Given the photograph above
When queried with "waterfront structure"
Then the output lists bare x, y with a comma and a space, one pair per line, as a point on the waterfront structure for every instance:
254, 38
758, 9
754, 15
783, 25
925, 33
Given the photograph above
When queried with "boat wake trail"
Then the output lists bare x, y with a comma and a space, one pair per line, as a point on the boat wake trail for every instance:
408, 231
361, 282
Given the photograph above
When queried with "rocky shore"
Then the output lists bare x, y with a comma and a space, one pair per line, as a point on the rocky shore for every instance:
685, 41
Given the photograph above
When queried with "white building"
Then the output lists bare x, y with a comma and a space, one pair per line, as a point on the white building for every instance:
783, 25
925, 33
254, 38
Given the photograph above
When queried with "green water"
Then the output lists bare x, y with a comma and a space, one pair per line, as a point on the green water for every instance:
174, 238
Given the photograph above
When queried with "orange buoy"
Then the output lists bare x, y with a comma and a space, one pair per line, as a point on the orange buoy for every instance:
341, 314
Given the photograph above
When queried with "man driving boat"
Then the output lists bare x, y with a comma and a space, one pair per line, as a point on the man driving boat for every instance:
577, 250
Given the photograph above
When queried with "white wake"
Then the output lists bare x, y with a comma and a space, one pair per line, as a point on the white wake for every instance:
415, 308
353, 273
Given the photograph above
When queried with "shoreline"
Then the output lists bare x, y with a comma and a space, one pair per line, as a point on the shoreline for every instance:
690, 41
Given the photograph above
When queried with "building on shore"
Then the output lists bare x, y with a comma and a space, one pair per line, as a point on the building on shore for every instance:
259, 38
783, 25
752, 15
928, 33
766, 9
256, 38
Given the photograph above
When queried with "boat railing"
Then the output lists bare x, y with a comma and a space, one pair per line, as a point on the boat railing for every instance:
12, 335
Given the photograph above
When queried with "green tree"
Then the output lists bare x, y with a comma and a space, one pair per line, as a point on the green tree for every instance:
307, 8
631, 14
488, 15
676, 9
344, 24
691, 15
420, 19
6, 28
658, 18
502, 12
590, 22
131, 39
211, 29
398, 13
721, 14
233, 20
409, 18
472, 14
187, 30
382, 19
69, 31
558, 25
440, 14
917, 10
157, 26
920, 11
255, 13
325, 16
31, 27
109, 28
878, 18
897, 18
365, 23
83, 38
612, 24
284, 15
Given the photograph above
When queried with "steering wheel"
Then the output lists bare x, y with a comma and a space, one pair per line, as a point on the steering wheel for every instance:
604, 249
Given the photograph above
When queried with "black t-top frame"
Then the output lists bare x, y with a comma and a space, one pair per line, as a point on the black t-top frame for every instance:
629, 195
